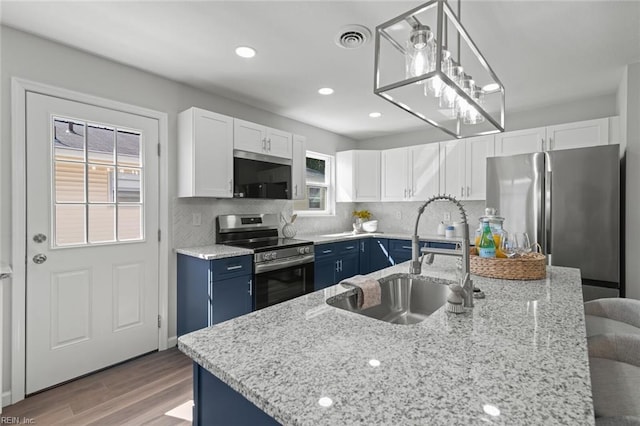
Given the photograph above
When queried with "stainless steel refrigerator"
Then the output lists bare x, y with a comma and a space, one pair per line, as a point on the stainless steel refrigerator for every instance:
568, 201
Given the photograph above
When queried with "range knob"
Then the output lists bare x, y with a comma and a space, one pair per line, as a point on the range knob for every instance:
307, 249
301, 250
266, 256
274, 255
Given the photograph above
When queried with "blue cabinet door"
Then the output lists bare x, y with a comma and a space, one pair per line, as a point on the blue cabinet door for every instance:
349, 266
231, 298
399, 251
324, 275
365, 249
379, 254
194, 293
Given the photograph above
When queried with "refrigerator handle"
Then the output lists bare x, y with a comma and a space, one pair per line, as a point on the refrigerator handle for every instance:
547, 211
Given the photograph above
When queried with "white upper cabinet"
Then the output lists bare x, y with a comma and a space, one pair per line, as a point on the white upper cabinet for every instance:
298, 168
578, 135
260, 139
464, 167
411, 173
358, 176
424, 166
394, 174
520, 142
205, 154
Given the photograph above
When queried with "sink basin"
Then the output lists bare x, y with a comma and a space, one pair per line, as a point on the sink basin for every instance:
405, 299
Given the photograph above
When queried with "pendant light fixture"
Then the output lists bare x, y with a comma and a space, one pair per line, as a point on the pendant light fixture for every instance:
450, 87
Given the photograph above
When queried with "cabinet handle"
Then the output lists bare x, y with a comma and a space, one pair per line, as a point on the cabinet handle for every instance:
230, 186
326, 251
541, 144
337, 266
264, 144
340, 265
234, 268
406, 247
362, 246
462, 191
269, 144
410, 192
250, 287
550, 144
468, 191
405, 193
350, 247
295, 189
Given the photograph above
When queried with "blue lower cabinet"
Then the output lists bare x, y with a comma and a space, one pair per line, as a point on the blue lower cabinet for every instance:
348, 259
365, 249
216, 403
324, 273
379, 257
212, 291
400, 250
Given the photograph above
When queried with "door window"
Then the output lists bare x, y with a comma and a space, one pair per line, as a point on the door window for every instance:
97, 184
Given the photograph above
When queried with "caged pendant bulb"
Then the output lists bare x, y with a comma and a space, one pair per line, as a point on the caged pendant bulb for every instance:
420, 52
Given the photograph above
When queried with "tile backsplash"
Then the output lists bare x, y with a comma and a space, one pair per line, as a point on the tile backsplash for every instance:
392, 217
401, 217
186, 234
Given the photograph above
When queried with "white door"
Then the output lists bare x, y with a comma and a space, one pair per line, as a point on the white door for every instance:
395, 170
92, 244
578, 135
425, 171
520, 142
367, 175
279, 143
478, 149
453, 172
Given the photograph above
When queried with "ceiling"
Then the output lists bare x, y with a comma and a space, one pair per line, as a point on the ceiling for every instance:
545, 52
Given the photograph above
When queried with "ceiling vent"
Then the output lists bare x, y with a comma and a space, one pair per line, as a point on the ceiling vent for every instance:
353, 36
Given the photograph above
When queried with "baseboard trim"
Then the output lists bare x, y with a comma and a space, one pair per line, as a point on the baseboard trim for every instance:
6, 398
172, 341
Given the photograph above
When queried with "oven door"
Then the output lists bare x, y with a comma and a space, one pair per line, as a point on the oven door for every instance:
282, 280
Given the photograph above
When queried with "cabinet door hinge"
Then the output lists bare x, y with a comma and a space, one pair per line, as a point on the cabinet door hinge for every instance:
158, 150
159, 235
159, 321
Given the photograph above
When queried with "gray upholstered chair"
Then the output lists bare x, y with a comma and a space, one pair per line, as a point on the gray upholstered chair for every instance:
612, 315
614, 362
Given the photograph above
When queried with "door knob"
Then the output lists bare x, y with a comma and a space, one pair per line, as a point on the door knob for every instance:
39, 258
39, 238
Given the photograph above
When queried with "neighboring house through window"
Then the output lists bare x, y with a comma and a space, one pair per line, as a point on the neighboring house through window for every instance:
320, 198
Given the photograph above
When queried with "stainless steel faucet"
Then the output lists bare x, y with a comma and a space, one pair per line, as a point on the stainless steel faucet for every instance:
416, 259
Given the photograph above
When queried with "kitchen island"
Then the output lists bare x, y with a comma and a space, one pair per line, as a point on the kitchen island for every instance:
518, 357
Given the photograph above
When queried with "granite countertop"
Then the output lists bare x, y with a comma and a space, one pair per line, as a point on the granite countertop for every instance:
214, 251
521, 350
219, 251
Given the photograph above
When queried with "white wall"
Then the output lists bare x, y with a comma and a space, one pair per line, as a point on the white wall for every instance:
632, 130
34, 58
585, 109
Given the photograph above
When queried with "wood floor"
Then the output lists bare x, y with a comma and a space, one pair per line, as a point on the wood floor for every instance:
137, 392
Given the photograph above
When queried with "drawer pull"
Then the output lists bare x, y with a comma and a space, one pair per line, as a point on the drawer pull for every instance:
350, 248
406, 247
326, 251
233, 268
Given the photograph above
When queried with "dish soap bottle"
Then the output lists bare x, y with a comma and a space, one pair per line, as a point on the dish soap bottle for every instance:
487, 246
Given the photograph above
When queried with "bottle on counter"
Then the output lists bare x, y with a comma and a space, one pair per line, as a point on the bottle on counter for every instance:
487, 245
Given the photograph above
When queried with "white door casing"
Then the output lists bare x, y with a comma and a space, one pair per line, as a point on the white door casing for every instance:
89, 305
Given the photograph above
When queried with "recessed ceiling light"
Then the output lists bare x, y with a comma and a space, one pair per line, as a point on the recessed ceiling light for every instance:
325, 91
375, 114
245, 51
491, 87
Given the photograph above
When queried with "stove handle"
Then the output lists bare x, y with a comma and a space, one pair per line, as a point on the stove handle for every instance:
281, 264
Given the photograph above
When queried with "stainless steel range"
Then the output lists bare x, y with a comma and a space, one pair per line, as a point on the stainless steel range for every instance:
283, 267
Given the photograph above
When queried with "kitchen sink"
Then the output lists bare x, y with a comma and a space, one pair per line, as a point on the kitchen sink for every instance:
406, 299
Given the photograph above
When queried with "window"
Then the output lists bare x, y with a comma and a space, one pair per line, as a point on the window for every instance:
97, 184
320, 198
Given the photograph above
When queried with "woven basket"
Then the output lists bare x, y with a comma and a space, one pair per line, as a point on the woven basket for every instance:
530, 266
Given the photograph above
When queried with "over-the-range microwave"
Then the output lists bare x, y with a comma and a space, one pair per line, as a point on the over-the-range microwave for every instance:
261, 176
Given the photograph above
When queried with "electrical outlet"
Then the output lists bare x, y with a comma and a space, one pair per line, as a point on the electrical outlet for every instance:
196, 219
447, 216
398, 214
